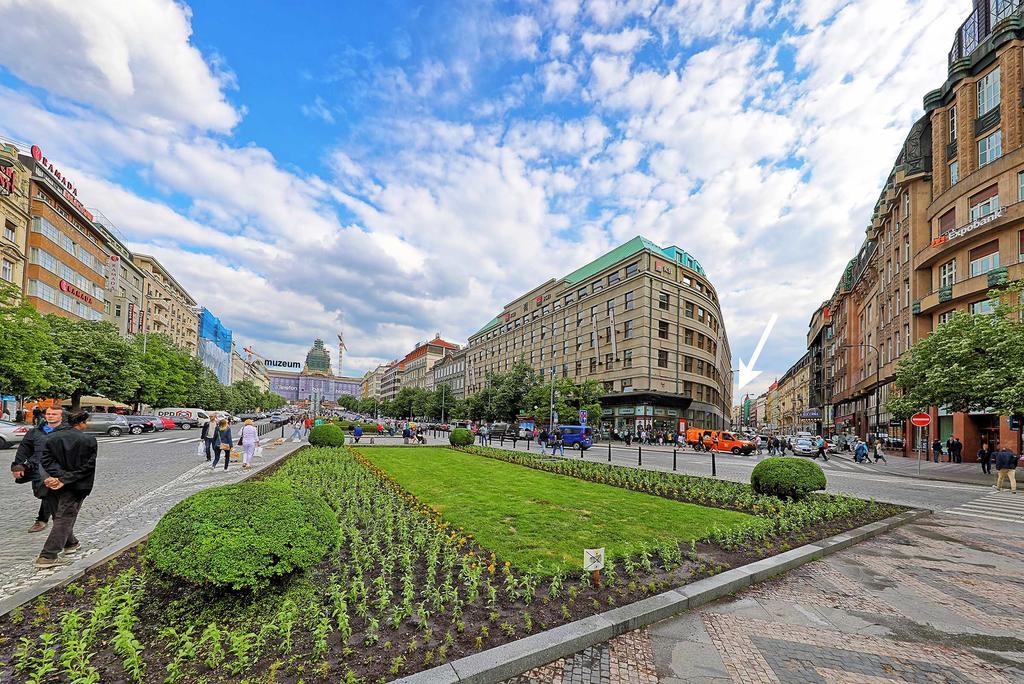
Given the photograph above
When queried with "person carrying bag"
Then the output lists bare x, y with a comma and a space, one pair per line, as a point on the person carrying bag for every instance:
222, 443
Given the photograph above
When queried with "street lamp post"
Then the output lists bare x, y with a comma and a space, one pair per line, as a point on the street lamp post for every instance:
878, 380
442, 404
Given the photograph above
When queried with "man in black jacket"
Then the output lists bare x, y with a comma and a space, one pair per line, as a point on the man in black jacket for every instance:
209, 434
69, 466
1006, 464
25, 467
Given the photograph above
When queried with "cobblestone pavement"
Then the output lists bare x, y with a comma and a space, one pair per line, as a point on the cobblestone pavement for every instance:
936, 601
138, 479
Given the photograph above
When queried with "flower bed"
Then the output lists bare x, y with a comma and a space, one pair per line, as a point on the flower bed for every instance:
406, 590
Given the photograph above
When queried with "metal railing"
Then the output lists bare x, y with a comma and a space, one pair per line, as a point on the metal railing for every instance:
965, 277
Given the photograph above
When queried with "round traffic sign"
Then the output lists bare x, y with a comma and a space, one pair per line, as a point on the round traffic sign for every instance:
920, 419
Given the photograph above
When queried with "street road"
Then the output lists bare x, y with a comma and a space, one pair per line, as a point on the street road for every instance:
138, 477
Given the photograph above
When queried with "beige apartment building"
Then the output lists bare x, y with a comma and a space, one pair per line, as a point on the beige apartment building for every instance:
14, 216
417, 366
642, 320
370, 388
451, 372
169, 308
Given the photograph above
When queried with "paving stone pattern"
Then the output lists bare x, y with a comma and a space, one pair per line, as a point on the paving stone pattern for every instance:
125, 499
937, 601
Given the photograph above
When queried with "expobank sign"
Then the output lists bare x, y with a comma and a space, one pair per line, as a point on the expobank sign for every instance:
972, 226
282, 365
69, 191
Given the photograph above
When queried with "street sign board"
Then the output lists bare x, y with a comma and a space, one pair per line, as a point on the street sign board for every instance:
1015, 423
583, 416
921, 419
593, 559
554, 416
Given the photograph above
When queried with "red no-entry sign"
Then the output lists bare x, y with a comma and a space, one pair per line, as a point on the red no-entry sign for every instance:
920, 419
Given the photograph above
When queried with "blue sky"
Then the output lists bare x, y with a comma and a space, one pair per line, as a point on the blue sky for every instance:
398, 169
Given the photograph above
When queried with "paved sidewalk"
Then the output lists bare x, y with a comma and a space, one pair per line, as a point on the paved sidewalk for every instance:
18, 572
936, 601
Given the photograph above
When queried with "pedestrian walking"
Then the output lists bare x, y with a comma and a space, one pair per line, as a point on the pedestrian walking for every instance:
37, 416
757, 444
821, 448
860, 452
1006, 466
557, 443
629, 437
949, 449
879, 455
958, 450
250, 441
482, 434
223, 444
27, 465
985, 458
209, 434
69, 468
936, 449
542, 439
357, 433
297, 423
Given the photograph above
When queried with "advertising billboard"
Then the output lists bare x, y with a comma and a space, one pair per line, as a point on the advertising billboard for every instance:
215, 346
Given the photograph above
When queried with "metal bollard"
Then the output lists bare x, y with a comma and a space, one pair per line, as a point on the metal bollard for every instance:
673, 460
282, 430
609, 452
714, 470
639, 455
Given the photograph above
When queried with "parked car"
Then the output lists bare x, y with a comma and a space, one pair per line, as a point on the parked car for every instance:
139, 424
186, 422
12, 433
111, 424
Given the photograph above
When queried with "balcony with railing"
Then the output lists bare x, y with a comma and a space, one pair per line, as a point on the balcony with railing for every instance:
970, 286
987, 15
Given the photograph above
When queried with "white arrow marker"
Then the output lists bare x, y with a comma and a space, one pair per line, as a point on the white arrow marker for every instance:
747, 373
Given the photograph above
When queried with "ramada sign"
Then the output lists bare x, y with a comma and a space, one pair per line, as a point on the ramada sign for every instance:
70, 192
65, 286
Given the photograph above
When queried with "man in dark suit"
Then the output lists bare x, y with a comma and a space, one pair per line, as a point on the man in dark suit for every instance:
68, 469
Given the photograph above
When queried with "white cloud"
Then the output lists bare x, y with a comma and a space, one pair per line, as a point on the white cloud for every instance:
626, 40
559, 79
318, 109
136, 66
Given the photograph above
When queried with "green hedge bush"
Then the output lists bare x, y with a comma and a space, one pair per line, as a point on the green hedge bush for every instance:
328, 434
243, 536
787, 478
460, 437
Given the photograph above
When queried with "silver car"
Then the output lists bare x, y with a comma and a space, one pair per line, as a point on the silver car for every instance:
111, 424
11, 434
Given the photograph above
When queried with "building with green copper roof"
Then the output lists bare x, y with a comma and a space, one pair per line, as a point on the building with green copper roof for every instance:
642, 320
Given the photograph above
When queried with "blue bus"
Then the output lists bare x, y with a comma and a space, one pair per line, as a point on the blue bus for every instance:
577, 436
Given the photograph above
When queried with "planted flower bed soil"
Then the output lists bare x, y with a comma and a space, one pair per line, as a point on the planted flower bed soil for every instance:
414, 581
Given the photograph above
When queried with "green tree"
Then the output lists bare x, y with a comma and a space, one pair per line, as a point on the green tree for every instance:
511, 389
96, 359
166, 376
243, 397
29, 358
973, 362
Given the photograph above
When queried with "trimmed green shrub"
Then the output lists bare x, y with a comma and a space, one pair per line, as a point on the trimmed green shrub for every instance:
460, 437
787, 477
328, 434
243, 536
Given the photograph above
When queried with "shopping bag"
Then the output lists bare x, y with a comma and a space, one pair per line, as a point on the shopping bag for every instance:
200, 449
258, 453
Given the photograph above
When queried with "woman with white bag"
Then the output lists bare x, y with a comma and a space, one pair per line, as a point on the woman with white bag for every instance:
250, 441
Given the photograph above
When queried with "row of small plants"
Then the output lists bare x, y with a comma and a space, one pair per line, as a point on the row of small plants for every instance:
397, 590
777, 519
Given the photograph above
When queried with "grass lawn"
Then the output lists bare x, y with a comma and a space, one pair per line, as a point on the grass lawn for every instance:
528, 515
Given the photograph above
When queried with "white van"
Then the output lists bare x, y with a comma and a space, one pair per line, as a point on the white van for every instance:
185, 417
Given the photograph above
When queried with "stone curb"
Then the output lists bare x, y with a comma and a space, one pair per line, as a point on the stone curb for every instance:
79, 568
514, 658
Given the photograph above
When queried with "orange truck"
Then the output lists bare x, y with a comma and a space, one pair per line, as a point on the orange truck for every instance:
719, 440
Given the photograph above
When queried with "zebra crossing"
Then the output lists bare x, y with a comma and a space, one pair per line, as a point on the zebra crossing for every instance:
149, 438
833, 463
1003, 506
